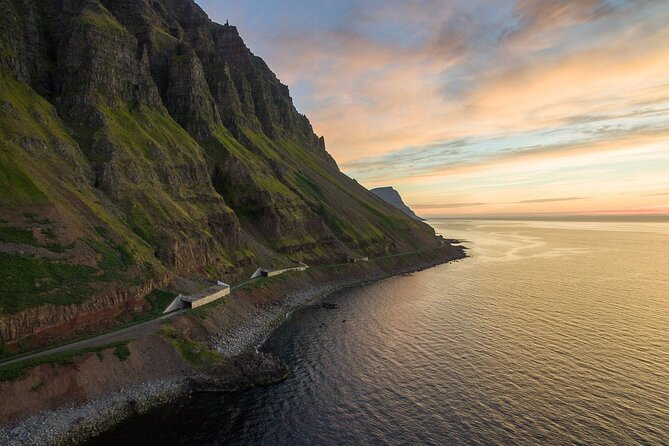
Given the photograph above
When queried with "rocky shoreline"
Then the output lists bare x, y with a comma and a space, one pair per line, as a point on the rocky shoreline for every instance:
75, 425
245, 368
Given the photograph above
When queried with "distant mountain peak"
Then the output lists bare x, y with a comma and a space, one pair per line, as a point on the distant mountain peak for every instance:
390, 195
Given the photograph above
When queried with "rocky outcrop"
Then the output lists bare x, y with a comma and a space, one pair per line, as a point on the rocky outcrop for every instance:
243, 371
391, 196
23, 46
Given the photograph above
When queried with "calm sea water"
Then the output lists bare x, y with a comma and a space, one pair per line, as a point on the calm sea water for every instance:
550, 333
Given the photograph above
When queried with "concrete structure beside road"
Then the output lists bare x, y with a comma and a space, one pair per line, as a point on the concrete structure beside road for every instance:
200, 298
266, 272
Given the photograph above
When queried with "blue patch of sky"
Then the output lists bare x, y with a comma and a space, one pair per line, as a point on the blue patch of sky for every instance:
266, 14
468, 151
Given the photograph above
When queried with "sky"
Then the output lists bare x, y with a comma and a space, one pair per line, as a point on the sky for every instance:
480, 107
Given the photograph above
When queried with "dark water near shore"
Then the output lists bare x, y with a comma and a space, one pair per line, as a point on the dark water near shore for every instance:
550, 333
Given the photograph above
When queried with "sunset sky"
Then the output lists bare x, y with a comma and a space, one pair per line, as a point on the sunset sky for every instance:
479, 106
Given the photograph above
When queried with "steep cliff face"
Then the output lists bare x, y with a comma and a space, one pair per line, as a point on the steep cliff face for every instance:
391, 196
139, 141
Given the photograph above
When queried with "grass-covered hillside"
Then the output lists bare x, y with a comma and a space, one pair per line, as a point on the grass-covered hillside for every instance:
139, 142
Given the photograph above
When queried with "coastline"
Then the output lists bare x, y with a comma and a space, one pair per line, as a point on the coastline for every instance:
239, 338
241, 325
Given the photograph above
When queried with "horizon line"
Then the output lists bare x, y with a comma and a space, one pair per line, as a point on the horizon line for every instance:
550, 215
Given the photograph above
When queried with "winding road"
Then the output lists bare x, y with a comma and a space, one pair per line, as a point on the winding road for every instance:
122, 334
135, 331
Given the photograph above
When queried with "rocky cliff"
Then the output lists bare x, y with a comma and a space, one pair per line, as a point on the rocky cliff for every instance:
391, 196
140, 141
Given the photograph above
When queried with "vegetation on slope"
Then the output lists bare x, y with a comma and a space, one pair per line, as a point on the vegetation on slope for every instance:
19, 370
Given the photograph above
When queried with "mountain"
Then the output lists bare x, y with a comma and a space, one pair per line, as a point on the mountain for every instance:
140, 142
390, 195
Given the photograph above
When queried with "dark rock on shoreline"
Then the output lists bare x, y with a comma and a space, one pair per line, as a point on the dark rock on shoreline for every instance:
249, 369
262, 369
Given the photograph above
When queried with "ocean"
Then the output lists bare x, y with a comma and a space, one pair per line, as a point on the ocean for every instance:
550, 332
